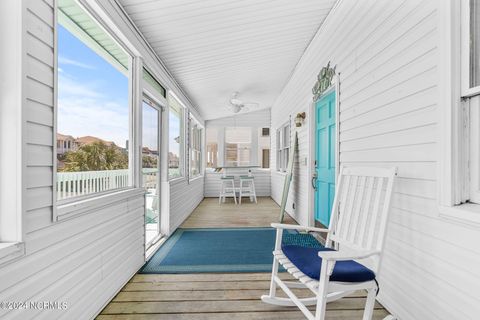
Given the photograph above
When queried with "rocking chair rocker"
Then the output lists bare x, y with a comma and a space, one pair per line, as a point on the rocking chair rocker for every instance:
356, 232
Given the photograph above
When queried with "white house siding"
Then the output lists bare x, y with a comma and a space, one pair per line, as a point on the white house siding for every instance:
85, 260
297, 204
184, 198
262, 182
386, 52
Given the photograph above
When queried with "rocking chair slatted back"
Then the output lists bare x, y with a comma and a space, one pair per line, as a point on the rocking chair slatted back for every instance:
360, 208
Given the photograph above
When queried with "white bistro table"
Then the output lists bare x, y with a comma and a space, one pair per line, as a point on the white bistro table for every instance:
225, 169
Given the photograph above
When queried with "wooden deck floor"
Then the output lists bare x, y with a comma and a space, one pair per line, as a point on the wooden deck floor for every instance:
218, 296
210, 214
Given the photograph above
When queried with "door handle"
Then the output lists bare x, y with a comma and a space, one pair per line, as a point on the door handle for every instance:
314, 180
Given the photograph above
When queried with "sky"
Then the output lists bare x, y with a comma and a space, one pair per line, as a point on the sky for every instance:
150, 127
92, 94
93, 97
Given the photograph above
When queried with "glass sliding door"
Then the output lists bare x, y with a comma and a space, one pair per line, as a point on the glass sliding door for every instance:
151, 169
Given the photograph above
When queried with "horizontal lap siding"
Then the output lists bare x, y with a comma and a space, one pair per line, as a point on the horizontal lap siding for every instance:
39, 114
261, 178
297, 203
81, 261
387, 55
184, 198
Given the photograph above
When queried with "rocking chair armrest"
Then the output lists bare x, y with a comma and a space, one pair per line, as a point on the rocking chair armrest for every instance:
347, 254
297, 227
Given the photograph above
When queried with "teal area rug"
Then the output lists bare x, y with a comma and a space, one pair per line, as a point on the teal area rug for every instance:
221, 250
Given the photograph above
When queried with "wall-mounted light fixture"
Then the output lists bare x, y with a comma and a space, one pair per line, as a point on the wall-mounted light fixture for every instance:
299, 119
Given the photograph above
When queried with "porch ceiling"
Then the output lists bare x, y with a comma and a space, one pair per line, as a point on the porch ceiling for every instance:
215, 47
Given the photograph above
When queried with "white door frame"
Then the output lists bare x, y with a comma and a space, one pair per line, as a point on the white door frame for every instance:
312, 145
159, 103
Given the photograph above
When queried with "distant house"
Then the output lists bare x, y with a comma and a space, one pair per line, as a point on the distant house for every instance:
173, 160
148, 151
65, 143
81, 141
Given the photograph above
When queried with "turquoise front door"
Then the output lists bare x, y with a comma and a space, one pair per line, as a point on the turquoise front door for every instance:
325, 135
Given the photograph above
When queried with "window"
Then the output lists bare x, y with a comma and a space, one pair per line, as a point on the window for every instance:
195, 148
264, 147
238, 146
471, 89
459, 88
93, 106
176, 134
470, 47
283, 147
211, 137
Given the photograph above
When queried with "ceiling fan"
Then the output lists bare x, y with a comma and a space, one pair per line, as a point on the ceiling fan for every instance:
236, 104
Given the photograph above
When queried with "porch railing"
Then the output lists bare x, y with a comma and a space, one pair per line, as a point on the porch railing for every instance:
72, 184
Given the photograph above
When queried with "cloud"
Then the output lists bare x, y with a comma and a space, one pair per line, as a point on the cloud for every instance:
86, 116
69, 87
86, 110
65, 60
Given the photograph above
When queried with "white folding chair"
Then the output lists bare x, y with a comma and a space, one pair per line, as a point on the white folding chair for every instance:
353, 248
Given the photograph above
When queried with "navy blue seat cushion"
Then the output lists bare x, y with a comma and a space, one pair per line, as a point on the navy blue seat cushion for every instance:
308, 261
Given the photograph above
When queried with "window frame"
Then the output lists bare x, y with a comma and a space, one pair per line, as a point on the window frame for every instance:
151, 98
12, 127
199, 143
474, 149
206, 144
467, 90
454, 104
282, 147
261, 148
67, 208
183, 157
470, 110
238, 149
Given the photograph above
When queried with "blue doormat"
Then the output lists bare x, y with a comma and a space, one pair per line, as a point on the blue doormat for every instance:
221, 250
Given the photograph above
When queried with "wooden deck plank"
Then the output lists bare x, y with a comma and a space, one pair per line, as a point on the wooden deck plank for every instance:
197, 277
211, 214
219, 306
200, 295
175, 286
379, 314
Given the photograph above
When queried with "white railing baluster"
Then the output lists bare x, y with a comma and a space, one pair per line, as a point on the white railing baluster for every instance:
75, 186
59, 189
84, 189
64, 189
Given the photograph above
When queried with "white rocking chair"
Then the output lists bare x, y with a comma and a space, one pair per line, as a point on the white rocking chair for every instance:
356, 232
